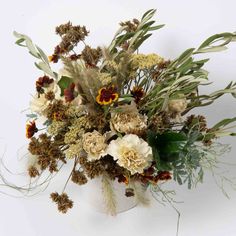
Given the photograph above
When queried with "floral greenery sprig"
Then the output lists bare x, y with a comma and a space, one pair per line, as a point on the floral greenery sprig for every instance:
120, 115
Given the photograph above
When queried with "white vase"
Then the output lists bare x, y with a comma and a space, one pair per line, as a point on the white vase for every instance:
93, 195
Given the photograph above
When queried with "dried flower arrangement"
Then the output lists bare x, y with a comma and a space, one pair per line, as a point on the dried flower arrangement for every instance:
122, 115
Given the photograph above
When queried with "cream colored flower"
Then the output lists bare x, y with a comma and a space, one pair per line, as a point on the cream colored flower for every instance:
128, 121
141, 61
94, 144
131, 152
39, 103
177, 105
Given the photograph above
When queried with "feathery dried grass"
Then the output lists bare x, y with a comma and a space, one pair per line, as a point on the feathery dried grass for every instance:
109, 195
140, 194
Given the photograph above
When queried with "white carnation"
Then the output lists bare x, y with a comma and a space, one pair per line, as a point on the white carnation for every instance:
131, 152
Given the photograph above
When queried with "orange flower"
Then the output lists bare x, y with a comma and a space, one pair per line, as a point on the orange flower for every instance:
123, 179
164, 175
31, 129
53, 58
107, 95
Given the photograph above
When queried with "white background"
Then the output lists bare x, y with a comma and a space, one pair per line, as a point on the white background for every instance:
205, 211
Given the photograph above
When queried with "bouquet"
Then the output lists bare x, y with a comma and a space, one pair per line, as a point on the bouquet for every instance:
122, 115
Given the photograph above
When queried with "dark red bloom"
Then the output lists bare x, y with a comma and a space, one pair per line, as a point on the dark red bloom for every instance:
43, 82
69, 93
56, 55
74, 57
107, 95
31, 129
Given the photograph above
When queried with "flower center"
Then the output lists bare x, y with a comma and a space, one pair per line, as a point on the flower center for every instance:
131, 157
107, 95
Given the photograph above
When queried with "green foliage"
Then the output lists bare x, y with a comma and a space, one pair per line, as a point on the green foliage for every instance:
209, 45
37, 52
224, 123
184, 75
32, 116
64, 83
222, 128
177, 152
166, 148
187, 168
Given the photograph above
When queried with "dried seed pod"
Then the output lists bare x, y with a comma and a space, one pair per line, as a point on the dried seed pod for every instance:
129, 192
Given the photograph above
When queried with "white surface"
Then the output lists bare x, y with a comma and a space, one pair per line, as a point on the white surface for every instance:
205, 212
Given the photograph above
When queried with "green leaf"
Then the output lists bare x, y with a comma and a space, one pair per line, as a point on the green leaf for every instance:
212, 49
47, 123
147, 25
156, 27
31, 116
19, 41
151, 11
179, 180
216, 42
217, 37
138, 43
166, 147
64, 83
185, 56
134, 38
46, 68
42, 55
223, 123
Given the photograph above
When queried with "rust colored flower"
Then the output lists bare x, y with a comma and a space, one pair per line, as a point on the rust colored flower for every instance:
31, 129
123, 179
69, 93
56, 55
53, 58
107, 95
137, 93
163, 175
150, 176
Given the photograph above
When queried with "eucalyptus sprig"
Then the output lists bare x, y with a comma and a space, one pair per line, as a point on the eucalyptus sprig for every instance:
37, 52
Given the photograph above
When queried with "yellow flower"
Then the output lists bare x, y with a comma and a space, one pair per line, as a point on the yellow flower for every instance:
107, 95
